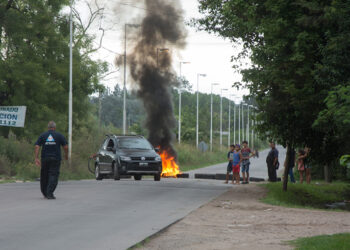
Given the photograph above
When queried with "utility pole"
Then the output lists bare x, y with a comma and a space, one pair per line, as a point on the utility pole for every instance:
243, 135
197, 123
239, 123
124, 87
221, 116
234, 122
211, 116
179, 132
248, 129
70, 111
229, 123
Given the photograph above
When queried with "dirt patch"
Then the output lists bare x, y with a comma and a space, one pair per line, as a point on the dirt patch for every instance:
237, 220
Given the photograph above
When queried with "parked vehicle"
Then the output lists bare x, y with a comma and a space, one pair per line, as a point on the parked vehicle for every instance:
127, 155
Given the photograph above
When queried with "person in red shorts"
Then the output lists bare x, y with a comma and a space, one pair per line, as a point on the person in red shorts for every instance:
236, 163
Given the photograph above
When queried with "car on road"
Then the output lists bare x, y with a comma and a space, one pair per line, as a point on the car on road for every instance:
127, 155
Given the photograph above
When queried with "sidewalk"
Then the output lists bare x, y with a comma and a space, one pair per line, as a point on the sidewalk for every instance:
238, 220
258, 167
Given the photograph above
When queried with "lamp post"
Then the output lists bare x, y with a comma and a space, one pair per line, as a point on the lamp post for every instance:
70, 98
229, 121
124, 86
160, 50
234, 122
248, 129
239, 123
221, 115
243, 135
211, 116
197, 124
179, 139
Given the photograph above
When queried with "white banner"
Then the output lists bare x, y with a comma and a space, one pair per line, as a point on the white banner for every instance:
12, 116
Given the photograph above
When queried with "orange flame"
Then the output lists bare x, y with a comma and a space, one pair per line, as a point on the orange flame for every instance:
170, 168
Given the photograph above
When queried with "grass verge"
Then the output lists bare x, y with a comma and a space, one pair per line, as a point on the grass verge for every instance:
307, 196
189, 157
323, 242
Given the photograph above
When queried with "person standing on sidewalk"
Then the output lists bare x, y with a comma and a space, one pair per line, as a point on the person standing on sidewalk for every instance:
51, 142
230, 162
272, 162
246, 154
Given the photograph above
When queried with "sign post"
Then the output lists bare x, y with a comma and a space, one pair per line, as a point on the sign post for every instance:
12, 116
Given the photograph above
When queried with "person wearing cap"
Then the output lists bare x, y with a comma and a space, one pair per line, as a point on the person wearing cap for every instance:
51, 143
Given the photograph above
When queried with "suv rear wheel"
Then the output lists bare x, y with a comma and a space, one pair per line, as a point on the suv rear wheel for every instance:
137, 177
116, 175
98, 175
157, 177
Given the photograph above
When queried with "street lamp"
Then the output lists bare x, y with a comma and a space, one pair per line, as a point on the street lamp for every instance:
124, 87
160, 50
70, 98
239, 123
243, 135
180, 102
221, 115
211, 116
197, 126
229, 121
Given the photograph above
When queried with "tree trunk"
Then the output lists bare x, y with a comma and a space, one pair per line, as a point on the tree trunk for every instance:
286, 170
327, 174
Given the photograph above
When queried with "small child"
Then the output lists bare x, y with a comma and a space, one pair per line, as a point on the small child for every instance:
236, 163
230, 160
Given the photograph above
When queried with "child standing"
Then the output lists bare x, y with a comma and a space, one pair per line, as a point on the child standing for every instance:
246, 155
237, 159
230, 162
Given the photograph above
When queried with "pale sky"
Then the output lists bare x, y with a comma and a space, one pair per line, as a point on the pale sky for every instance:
206, 53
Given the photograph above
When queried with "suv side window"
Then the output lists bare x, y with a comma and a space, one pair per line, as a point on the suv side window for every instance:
110, 143
104, 147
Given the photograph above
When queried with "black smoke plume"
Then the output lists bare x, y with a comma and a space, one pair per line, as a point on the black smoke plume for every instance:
150, 65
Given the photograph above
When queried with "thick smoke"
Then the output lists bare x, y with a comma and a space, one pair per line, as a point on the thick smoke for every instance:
151, 67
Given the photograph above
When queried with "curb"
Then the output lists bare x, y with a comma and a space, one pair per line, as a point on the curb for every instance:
223, 177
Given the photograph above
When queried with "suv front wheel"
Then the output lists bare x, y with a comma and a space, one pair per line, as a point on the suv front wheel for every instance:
98, 175
116, 175
157, 177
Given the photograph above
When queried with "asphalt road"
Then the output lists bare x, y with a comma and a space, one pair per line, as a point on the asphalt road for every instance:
96, 214
257, 169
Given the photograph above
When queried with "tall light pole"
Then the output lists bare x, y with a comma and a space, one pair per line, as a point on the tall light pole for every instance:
124, 85
248, 130
70, 109
239, 123
229, 121
179, 139
234, 122
197, 124
160, 50
243, 135
211, 116
221, 115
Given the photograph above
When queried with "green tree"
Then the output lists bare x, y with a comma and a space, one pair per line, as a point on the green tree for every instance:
288, 43
34, 63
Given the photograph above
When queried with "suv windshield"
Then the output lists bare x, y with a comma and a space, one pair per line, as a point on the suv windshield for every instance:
134, 143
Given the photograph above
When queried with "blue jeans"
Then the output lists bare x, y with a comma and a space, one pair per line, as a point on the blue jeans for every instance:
291, 174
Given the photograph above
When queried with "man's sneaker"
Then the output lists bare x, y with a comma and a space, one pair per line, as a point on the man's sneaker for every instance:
50, 197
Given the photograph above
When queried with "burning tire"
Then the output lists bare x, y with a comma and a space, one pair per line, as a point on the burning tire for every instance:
98, 175
157, 177
137, 177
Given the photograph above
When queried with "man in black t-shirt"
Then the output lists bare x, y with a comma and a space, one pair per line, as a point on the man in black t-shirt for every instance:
272, 162
51, 142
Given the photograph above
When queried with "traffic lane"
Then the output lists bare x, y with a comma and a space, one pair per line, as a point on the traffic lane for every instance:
96, 215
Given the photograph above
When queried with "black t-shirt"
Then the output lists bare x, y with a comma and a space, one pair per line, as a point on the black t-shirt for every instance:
51, 142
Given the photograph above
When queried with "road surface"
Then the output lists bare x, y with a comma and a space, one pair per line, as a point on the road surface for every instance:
96, 214
258, 167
